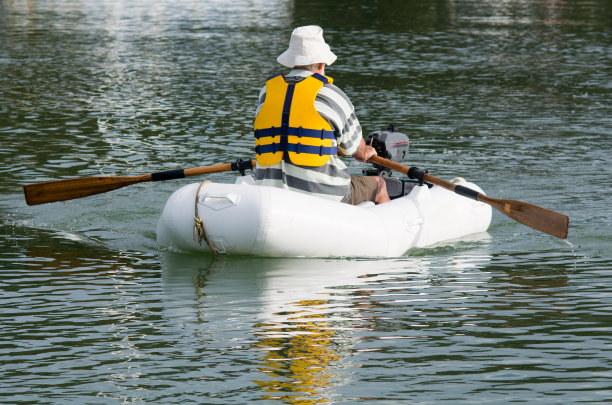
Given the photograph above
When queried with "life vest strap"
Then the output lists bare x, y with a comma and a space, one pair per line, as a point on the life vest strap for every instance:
297, 148
320, 77
295, 131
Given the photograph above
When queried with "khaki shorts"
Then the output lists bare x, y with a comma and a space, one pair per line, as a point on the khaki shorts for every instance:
363, 188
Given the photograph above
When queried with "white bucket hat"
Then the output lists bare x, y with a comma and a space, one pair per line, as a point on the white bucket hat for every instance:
306, 47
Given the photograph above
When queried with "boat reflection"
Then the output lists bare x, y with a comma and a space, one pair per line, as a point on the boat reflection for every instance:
301, 313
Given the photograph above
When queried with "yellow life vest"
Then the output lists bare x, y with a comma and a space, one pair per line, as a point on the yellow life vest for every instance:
288, 123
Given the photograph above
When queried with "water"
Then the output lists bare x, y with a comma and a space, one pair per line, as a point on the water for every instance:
512, 95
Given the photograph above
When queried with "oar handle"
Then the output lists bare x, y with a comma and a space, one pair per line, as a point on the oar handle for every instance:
239, 165
423, 176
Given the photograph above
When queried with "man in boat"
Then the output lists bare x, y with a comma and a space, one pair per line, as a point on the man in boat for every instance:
304, 123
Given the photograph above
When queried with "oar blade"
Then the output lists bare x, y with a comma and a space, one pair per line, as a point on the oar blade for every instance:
61, 190
541, 219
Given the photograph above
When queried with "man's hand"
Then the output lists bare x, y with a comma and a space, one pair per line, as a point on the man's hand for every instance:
364, 153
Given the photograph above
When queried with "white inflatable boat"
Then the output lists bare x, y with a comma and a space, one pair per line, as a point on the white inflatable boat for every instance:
248, 219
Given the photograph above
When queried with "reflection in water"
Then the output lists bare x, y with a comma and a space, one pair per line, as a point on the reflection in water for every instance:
304, 310
299, 355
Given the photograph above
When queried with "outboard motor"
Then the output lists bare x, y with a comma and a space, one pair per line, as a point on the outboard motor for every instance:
393, 145
389, 144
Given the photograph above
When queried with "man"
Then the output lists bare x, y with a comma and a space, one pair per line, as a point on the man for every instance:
304, 123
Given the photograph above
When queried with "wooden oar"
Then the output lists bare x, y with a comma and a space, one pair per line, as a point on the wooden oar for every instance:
61, 190
541, 219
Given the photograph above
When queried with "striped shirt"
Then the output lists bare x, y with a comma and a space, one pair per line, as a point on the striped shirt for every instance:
331, 180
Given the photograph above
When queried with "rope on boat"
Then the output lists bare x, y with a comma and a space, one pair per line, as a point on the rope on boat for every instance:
199, 230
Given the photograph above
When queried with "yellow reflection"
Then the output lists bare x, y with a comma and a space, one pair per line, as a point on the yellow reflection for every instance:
298, 356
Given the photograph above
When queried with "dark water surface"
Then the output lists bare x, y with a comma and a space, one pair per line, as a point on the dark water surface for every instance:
512, 95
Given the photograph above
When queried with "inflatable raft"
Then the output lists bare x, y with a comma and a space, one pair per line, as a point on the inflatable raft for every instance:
248, 219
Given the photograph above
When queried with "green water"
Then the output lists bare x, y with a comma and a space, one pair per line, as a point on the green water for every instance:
512, 95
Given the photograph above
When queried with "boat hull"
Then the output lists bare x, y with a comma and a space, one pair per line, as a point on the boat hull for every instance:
248, 219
